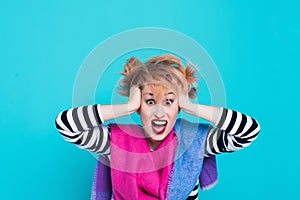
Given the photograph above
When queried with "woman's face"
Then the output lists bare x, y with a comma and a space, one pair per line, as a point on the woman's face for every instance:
158, 112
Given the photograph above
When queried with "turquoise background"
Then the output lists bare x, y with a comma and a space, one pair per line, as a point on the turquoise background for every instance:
255, 45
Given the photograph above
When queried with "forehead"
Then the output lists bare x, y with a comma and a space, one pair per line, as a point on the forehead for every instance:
157, 90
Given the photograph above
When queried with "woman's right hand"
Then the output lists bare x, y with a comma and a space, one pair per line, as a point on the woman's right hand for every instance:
134, 99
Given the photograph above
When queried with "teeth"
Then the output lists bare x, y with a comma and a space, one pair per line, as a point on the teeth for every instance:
159, 123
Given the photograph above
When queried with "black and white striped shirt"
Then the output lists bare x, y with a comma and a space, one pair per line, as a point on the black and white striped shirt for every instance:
83, 127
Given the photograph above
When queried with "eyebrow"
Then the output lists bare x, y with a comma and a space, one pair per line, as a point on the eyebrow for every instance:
148, 93
151, 94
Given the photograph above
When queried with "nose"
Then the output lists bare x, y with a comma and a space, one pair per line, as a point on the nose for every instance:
159, 111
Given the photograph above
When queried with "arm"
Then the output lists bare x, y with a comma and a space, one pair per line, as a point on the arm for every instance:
232, 131
119, 110
83, 125
208, 113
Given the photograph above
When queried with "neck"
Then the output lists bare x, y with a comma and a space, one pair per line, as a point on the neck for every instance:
153, 144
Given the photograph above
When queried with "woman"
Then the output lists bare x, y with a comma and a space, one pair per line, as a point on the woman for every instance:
164, 158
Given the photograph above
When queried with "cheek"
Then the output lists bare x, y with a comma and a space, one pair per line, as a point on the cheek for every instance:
175, 109
144, 114
173, 113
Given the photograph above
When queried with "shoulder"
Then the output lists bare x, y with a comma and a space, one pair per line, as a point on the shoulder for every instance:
183, 125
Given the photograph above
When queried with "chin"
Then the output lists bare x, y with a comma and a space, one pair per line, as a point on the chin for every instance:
158, 138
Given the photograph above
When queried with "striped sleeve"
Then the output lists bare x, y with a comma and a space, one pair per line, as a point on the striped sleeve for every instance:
194, 193
83, 127
232, 132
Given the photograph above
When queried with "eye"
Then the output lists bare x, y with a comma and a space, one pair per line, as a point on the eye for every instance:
150, 101
169, 101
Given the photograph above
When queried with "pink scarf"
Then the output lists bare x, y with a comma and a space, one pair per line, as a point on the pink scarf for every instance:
138, 173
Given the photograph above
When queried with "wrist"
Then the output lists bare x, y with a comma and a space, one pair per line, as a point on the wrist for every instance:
131, 108
189, 108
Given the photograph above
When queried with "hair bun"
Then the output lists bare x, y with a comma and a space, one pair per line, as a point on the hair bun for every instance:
130, 65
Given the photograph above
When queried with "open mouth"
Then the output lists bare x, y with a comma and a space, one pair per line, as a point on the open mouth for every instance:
159, 126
